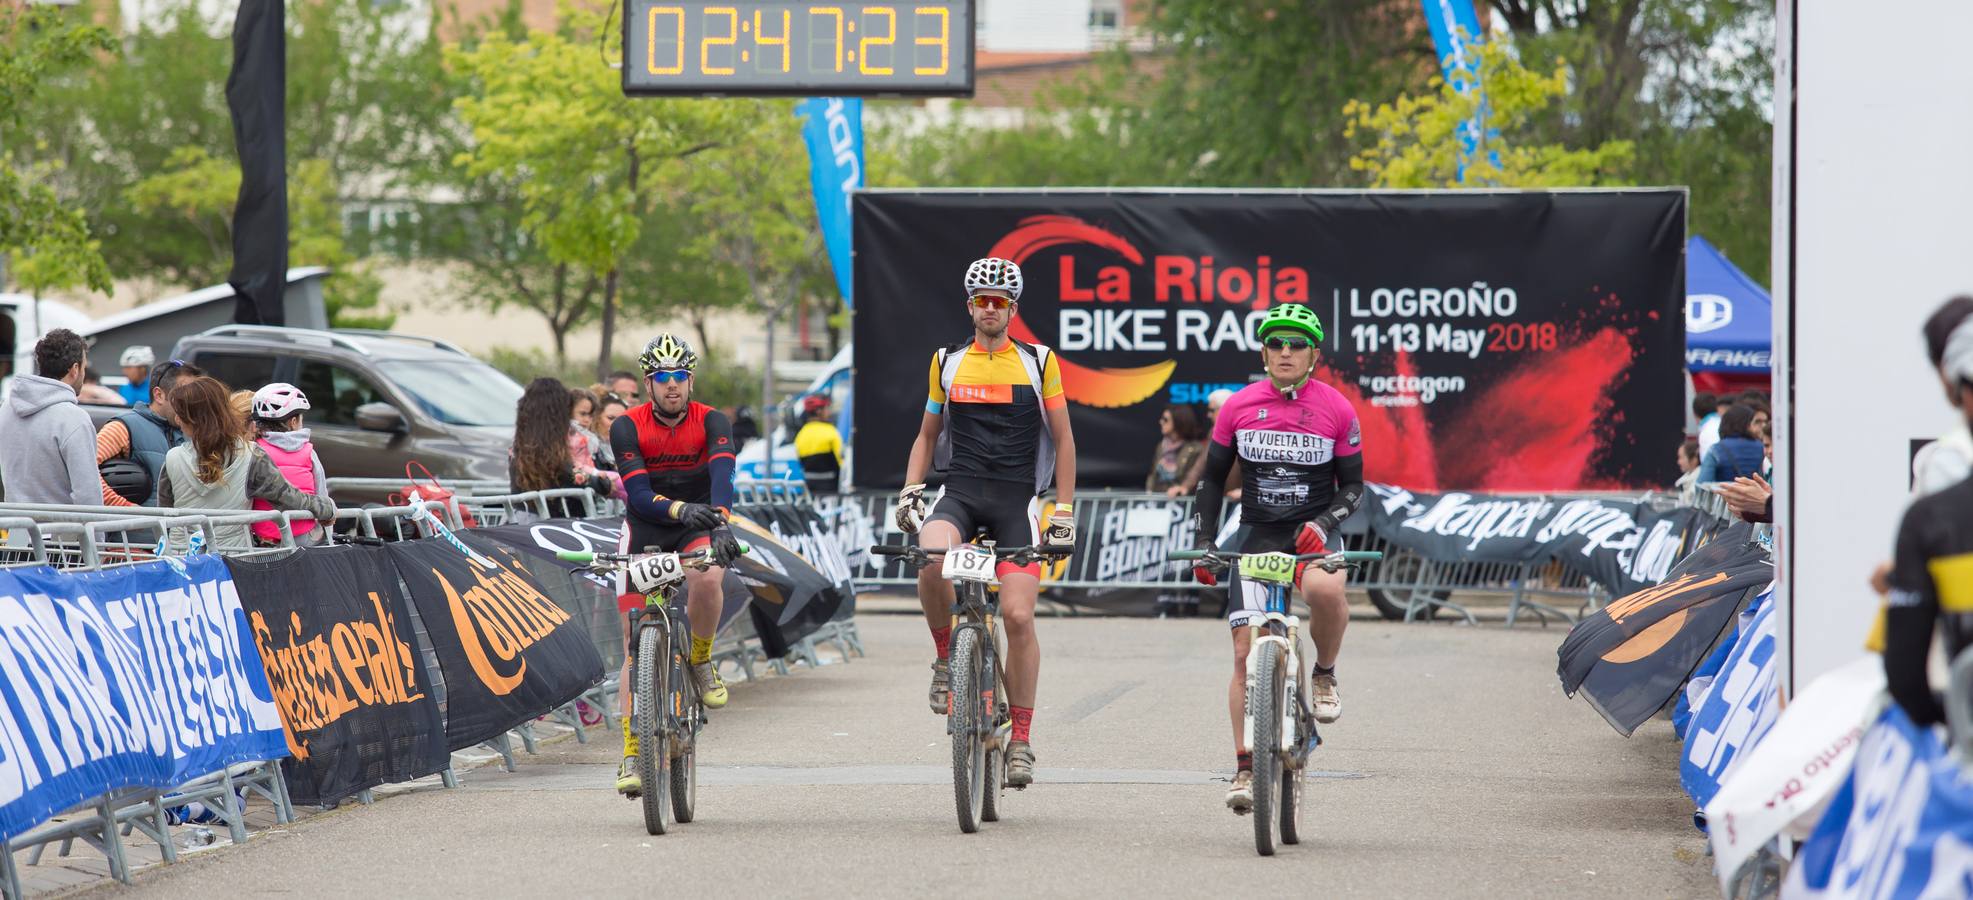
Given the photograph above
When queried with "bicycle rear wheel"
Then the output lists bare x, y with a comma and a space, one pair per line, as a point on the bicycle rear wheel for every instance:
969, 710
1293, 785
651, 675
686, 716
996, 757
1264, 708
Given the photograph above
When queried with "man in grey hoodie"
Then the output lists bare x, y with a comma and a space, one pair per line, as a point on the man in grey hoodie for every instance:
47, 444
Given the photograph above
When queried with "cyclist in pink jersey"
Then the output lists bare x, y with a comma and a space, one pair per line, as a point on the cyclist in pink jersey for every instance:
1301, 460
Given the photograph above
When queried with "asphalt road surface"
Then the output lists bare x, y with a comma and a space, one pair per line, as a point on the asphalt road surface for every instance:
1458, 770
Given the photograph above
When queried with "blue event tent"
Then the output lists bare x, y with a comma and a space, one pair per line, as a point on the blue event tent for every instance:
1729, 319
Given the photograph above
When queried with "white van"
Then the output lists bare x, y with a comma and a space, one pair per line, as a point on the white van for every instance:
23, 320
786, 417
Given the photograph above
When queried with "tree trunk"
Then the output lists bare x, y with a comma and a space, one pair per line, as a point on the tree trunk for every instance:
610, 286
559, 323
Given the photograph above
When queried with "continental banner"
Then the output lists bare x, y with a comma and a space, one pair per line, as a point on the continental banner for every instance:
508, 652
337, 642
143, 676
1505, 341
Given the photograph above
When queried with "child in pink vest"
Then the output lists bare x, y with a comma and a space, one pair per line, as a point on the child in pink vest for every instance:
277, 410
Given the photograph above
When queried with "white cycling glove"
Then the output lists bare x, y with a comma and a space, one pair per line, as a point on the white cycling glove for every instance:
910, 513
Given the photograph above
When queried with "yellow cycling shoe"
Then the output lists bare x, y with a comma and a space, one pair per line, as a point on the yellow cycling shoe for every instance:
712, 690
628, 784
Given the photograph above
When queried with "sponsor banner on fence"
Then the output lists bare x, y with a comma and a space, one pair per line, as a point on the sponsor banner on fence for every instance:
336, 639
1737, 710
1537, 348
142, 676
1616, 543
1900, 826
508, 652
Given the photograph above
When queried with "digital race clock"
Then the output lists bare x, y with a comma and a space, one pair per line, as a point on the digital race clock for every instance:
798, 48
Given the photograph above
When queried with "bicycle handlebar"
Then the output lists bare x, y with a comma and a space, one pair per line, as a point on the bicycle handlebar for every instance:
697, 559
1039, 551
1226, 559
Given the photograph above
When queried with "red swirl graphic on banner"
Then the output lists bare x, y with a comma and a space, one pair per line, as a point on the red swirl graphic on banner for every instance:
1107, 388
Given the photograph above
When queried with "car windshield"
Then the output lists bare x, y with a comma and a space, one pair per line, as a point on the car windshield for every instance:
457, 392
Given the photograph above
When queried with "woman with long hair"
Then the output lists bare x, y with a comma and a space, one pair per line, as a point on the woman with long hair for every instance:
1739, 451
1182, 440
220, 468
540, 459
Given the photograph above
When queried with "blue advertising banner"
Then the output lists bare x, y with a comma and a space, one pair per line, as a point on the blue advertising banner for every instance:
144, 676
1455, 26
1901, 826
1737, 711
833, 129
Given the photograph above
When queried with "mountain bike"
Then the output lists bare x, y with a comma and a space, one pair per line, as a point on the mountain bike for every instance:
1280, 725
665, 707
978, 715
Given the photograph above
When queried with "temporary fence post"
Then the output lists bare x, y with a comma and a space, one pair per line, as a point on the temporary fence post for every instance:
284, 806
236, 811
10, 877
1520, 592
112, 845
157, 826
365, 797
448, 777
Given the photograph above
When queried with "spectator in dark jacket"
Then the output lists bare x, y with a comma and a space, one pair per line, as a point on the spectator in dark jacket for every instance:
1181, 442
1739, 451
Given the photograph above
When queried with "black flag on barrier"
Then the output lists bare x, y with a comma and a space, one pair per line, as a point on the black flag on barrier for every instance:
1631, 657
256, 94
342, 659
509, 653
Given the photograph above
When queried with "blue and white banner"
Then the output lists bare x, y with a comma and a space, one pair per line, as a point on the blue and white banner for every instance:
1455, 27
134, 677
1737, 711
1902, 826
833, 129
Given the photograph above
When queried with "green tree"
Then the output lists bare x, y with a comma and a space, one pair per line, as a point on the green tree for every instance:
547, 117
1689, 82
198, 191
1414, 142
48, 237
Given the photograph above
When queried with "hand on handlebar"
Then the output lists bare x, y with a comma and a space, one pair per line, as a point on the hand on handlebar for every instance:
1202, 571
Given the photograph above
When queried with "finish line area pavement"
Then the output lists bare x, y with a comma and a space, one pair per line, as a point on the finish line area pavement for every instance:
1457, 770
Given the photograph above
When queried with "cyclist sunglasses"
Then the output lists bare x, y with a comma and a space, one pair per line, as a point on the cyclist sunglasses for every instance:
670, 376
1275, 343
988, 301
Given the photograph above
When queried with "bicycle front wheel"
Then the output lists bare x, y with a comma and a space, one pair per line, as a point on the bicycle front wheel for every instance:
1264, 709
651, 677
686, 716
971, 692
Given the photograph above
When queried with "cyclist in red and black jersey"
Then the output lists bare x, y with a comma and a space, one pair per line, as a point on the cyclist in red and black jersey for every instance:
676, 457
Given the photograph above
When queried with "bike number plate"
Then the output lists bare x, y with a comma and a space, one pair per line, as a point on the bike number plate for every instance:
659, 570
968, 563
1276, 568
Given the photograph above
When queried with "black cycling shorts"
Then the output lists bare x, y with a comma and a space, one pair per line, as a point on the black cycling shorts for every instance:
1007, 512
640, 536
1246, 601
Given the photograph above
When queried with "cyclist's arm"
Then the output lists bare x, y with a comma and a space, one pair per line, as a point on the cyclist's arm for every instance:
1055, 405
921, 449
719, 457
644, 502
1349, 493
1908, 624
1212, 488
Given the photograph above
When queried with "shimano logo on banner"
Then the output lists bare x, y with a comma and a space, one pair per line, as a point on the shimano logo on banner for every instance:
1739, 359
1707, 312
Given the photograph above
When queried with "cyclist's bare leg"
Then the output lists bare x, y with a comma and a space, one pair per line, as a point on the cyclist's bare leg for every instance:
1018, 592
1329, 613
1236, 693
704, 598
934, 592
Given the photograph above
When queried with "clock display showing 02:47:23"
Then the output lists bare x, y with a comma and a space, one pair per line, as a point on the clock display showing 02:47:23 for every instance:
767, 43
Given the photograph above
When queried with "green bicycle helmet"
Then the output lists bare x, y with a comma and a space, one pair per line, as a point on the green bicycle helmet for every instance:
667, 353
1292, 317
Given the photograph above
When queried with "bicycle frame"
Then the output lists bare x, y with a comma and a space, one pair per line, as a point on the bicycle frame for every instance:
971, 608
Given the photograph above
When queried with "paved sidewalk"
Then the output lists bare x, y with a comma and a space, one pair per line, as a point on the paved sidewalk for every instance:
1458, 770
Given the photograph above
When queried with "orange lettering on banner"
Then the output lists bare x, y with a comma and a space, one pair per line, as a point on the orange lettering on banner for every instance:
348, 665
1632, 604
500, 617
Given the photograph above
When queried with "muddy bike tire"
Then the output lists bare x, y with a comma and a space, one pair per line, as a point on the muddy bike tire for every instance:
684, 749
967, 712
651, 674
1264, 707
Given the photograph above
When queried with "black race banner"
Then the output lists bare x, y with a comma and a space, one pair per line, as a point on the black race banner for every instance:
1506, 341
1629, 658
1619, 544
507, 651
335, 637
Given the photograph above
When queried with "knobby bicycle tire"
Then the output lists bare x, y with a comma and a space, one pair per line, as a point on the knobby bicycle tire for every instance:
651, 674
1264, 707
684, 748
968, 749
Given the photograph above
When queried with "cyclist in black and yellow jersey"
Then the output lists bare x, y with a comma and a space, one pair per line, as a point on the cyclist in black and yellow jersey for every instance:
819, 446
997, 423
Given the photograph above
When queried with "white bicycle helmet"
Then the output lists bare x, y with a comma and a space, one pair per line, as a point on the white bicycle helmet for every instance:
993, 274
278, 401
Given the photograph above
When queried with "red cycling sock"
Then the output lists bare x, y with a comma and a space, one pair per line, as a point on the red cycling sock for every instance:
1244, 761
1023, 717
942, 639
